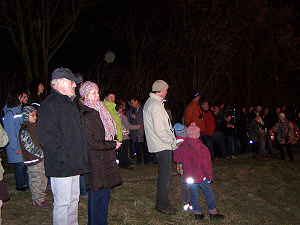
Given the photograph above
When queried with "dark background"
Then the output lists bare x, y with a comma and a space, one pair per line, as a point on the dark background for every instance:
237, 52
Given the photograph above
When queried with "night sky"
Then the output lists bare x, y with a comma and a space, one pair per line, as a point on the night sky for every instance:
101, 28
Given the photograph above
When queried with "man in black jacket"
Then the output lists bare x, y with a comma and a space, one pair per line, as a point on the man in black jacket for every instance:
65, 149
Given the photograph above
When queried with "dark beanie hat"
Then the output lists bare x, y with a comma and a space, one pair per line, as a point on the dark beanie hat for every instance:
26, 111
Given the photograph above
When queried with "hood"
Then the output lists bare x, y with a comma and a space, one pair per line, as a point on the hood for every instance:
15, 110
191, 142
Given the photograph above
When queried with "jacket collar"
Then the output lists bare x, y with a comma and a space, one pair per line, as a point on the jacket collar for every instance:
156, 97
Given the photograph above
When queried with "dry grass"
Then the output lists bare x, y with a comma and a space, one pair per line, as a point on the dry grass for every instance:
247, 191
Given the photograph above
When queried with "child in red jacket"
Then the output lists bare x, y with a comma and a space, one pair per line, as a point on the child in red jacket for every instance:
197, 171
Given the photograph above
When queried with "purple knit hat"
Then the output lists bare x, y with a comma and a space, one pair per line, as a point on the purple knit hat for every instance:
86, 88
193, 131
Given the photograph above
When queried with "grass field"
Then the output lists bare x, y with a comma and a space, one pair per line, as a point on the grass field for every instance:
247, 191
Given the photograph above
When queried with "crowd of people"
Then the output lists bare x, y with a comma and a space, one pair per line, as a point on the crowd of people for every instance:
75, 139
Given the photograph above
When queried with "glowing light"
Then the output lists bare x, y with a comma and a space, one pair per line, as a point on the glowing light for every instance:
17, 116
117, 161
186, 206
191, 207
190, 180
251, 142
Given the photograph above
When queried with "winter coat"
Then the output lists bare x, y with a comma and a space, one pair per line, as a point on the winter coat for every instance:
195, 159
284, 130
126, 126
253, 131
101, 153
31, 150
12, 122
111, 107
209, 123
193, 113
61, 135
138, 120
158, 129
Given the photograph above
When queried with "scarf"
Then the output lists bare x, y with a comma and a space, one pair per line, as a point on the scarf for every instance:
107, 120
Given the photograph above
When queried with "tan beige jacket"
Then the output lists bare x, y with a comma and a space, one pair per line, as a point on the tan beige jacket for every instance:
158, 128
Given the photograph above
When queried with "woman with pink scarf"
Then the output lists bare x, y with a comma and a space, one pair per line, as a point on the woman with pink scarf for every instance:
100, 132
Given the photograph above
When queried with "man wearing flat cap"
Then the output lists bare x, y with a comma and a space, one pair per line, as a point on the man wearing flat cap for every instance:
161, 141
65, 149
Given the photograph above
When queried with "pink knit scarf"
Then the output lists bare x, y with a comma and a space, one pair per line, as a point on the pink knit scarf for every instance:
107, 120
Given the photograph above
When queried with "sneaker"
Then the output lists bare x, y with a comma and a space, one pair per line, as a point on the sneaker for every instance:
40, 204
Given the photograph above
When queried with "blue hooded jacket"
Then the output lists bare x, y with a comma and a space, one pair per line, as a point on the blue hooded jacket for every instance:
12, 122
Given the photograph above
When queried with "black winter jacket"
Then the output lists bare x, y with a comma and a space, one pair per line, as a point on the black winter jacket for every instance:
101, 153
61, 135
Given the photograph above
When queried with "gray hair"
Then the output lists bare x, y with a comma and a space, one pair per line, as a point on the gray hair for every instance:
54, 83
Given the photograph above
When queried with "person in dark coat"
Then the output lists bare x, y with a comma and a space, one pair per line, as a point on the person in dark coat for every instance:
101, 155
61, 135
140, 145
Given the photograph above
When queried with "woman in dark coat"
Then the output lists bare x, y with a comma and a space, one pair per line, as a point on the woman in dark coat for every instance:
100, 132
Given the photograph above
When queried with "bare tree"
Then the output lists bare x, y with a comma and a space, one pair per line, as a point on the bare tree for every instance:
38, 29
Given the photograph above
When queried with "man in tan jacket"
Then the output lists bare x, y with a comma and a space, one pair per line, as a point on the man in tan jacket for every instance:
161, 141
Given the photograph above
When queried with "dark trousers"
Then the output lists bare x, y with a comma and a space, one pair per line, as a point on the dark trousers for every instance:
124, 160
286, 148
82, 185
219, 144
208, 141
141, 151
98, 207
21, 175
164, 166
229, 144
242, 136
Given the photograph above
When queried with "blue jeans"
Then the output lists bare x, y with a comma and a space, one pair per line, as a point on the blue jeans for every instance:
184, 191
21, 175
82, 185
210, 199
164, 165
98, 207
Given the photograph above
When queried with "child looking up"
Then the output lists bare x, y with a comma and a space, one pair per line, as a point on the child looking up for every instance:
197, 171
33, 157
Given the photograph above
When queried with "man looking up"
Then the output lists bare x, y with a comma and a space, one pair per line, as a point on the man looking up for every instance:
161, 141
65, 150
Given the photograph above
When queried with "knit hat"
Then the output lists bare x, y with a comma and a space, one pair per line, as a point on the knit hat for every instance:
180, 130
193, 131
160, 85
281, 115
26, 111
86, 88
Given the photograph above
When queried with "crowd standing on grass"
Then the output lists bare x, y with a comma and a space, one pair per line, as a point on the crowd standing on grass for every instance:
79, 140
